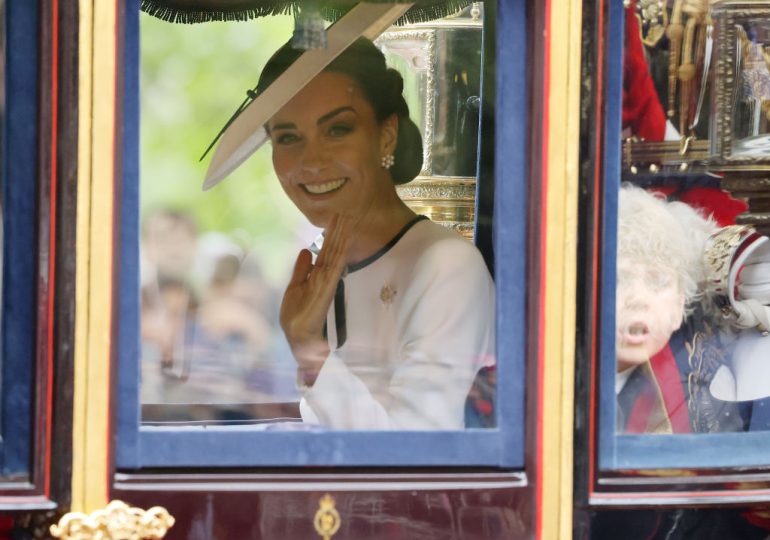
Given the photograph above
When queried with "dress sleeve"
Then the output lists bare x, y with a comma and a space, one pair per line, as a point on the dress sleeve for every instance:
446, 327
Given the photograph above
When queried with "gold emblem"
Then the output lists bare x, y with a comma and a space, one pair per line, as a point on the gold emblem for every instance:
117, 520
327, 520
387, 293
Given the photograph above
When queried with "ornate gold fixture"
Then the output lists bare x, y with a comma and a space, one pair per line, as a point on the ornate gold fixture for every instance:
689, 28
440, 62
740, 138
118, 521
448, 201
653, 20
665, 156
327, 520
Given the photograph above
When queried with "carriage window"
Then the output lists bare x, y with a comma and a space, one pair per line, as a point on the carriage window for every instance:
329, 289
216, 265
690, 276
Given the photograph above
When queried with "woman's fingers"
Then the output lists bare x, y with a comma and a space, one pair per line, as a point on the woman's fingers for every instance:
312, 286
330, 265
329, 236
302, 267
332, 257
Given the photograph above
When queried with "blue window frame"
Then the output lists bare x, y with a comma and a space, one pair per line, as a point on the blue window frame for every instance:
681, 451
153, 446
19, 121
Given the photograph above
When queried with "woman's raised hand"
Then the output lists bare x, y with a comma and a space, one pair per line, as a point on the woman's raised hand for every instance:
309, 295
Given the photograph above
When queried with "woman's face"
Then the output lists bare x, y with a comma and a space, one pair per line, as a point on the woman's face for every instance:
649, 308
327, 150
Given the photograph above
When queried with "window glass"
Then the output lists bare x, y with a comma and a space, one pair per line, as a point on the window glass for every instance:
408, 330
691, 296
750, 129
213, 264
3, 69
2, 145
20, 216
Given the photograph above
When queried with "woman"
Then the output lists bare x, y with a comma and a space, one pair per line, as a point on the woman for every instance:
395, 316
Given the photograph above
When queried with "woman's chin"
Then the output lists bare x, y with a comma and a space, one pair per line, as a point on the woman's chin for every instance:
320, 219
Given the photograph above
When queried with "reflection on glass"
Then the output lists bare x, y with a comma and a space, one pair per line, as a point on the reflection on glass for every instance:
667, 57
213, 264
441, 65
691, 318
386, 322
751, 100
668, 51
2, 148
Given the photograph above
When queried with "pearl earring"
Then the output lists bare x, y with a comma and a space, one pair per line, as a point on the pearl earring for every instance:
387, 161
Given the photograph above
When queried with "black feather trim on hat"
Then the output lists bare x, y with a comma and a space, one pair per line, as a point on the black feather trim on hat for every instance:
201, 11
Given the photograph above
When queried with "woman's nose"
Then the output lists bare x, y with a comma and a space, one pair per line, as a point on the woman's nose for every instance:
315, 156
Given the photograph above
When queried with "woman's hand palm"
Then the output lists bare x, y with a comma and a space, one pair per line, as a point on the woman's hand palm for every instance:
311, 291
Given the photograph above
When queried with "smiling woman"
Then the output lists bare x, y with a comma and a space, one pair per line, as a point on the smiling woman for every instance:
393, 319
386, 319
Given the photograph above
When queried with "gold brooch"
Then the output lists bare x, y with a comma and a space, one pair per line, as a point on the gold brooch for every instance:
327, 520
387, 293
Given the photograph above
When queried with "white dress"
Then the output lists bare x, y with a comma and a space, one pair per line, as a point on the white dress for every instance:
419, 321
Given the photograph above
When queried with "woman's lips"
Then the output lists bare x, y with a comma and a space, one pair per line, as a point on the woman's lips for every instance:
635, 333
322, 188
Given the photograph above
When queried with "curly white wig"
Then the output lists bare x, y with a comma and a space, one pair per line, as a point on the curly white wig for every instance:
665, 235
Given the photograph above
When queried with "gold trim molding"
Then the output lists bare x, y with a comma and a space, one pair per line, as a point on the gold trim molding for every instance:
118, 521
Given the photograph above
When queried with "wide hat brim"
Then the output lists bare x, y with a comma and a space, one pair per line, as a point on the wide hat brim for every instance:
247, 133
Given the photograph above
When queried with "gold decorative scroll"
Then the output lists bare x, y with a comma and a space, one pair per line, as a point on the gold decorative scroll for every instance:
118, 521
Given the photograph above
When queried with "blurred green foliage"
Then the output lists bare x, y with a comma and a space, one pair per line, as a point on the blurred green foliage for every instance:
193, 77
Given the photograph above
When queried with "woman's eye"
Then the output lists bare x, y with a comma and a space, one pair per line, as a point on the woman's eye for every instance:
339, 130
286, 138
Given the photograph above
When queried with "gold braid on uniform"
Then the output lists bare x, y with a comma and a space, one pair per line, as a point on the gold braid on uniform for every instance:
652, 17
674, 33
686, 73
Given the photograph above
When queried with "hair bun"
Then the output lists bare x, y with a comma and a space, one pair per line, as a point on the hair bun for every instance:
395, 88
395, 80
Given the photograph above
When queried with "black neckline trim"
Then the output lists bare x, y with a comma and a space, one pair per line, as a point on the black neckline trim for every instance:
393, 241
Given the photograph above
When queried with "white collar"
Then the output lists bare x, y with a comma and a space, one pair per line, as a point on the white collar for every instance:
621, 378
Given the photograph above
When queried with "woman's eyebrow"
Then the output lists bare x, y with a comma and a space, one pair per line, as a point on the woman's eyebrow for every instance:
285, 125
321, 120
334, 113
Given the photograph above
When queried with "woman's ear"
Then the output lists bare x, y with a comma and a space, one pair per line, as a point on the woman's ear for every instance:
388, 135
